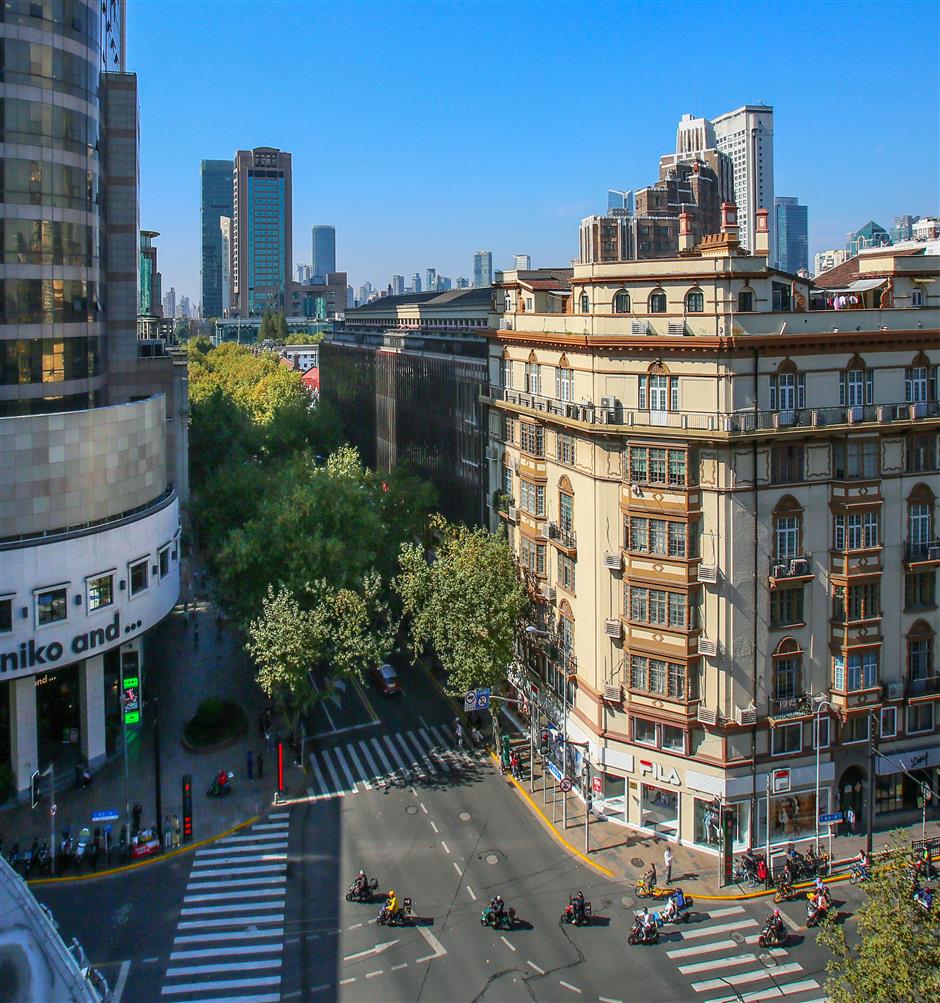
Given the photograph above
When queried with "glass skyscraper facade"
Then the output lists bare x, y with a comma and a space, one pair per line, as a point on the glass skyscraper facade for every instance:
483, 269
216, 184
791, 234
324, 252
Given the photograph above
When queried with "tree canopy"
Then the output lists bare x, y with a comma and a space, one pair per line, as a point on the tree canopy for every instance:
896, 958
468, 602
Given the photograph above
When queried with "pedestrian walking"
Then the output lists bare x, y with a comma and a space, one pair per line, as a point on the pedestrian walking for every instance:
260, 766
850, 819
667, 860
250, 764
175, 823
515, 764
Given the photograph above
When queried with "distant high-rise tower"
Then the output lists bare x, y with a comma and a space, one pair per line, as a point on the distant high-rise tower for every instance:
416, 282
792, 234
261, 230
169, 303
149, 300
398, 285
216, 184
324, 252
483, 269
746, 135
431, 283
521, 262
225, 228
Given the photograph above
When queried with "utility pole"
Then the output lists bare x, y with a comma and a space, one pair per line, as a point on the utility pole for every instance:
869, 836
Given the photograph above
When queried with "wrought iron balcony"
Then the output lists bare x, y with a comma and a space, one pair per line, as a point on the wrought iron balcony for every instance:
566, 537
923, 686
922, 553
785, 707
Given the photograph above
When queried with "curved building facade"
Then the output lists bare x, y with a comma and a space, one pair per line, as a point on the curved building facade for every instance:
92, 435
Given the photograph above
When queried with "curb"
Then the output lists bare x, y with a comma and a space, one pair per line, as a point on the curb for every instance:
144, 863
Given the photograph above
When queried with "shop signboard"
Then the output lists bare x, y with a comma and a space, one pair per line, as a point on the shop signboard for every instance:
130, 683
781, 781
597, 785
832, 818
553, 769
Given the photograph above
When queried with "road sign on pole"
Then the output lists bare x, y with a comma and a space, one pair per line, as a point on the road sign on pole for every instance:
781, 781
470, 700
565, 785
482, 698
832, 818
109, 815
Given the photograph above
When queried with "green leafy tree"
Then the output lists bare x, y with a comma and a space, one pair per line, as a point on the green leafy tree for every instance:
468, 603
896, 958
282, 334
266, 329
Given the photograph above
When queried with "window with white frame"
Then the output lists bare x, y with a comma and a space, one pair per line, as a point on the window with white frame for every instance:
622, 302
564, 449
787, 536
564, 383
919, 523
658, 392
821, 732
505, 367
51, 605
673, 738
533, 378
163, 561
532, 497
786, 739
532, 555
695, 301
787, 391
507, 480
139, 574
919, 718
856, 387
658, 302
856, 729
858, 672
99, 591
857, 530
6, 614
644, 731
917, 297
856, 458
920, 384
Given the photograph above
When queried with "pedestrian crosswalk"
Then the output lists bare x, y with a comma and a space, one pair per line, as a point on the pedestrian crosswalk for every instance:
230, 935
361, 765
725, 963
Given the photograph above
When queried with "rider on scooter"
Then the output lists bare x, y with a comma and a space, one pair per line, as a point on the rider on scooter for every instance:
578, 904
362, 883
775, 924
676, 905
391, 904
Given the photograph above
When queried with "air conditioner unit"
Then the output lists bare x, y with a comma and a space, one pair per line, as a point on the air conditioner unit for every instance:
799, 566
638, 327
606, 416
885, 413
586, 412
707, 647
608, 402
548, 591
778, 571
612, 694
706, 715
919, 410
855, 415
614, 561
613, 628
708, 574
894, 691
492, 452
745, 715
676, 327
817, 419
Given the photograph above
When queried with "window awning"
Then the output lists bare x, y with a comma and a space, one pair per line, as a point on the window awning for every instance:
858, 286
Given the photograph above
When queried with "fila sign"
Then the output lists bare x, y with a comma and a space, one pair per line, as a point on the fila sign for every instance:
661, 774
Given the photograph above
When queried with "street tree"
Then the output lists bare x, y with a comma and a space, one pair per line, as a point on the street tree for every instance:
896, 958
468, 602
281, 332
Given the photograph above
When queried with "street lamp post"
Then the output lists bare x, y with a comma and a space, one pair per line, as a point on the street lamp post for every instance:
821, 702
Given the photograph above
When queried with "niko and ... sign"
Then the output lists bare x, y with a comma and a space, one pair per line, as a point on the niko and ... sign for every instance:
30, 655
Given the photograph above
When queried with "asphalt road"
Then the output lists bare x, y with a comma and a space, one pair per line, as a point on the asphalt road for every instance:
261, 916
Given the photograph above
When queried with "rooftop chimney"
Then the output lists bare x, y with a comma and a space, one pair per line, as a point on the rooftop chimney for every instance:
686, 240
729, 219
762, 236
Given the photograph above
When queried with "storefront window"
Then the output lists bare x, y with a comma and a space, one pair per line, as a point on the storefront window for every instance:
791, 815
706, 830
899, 792
659, 808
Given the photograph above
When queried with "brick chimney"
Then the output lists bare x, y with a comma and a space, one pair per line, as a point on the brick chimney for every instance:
686, 239
762, 236
729, 219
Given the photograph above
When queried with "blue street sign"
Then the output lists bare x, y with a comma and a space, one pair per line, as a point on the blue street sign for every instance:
483, 698
105, 816
553, 769
835, 816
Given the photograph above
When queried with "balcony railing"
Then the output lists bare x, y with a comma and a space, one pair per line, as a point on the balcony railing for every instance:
796, 706
729, 423
800, 566
914, 552
923, 687
566, 537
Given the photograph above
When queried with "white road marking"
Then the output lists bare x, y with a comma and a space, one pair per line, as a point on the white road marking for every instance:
512, 947
121, 981
229, 935
354, 926
378, 949
263, 858
270, 825
253, 998
707, 966
366, 779
198, 886
324, 786
457, 869
232, 907
341, 759
188, 988
731, 910
367, 755
231, 921
280, 868
338, 786
688, 952
279, 814
257, 837
774, 993
393, 753
372, 975
427, 763
234, 949
533, 965
472, 893
148, 961
235, 966
708, 931
743, 977
434, 826
380, 754
239, 895
607, 999
396, 968
568, 985
433, 943
424, 808
345, 982
446, 847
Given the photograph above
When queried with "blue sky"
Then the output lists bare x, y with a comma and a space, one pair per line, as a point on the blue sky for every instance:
426, 131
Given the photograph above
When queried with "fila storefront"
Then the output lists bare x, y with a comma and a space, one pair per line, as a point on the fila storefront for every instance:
678, 800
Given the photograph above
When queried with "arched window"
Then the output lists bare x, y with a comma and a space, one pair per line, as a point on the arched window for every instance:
920, 381
788, 530
746, 300
856, 384
657, 301
622, 302
533, 375
566, 512
787, 388
585, 303
920, 667
920, 522
695, 301
658, 391
788, 670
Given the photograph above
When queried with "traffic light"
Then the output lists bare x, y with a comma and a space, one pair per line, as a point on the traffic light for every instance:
34, 789
187, 808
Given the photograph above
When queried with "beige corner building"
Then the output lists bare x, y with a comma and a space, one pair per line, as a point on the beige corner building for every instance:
722, 481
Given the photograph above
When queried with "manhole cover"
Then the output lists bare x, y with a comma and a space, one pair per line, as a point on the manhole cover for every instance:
738, 938
637, 861
412, 809
768, 959
492, 858
465, 816
627, 901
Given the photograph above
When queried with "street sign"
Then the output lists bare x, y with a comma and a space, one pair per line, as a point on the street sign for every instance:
470, 700
483, 698
131, 700
597, 785
781, 781
565, 785
110, 815
831, 818
553, 769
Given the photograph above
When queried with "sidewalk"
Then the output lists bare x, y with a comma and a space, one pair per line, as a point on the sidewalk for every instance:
188, 658
627, 853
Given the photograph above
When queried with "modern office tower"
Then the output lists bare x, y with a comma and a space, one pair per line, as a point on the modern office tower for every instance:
299, 269
261, 230
903, 228
443, 283
350, 298
720, 538
521, 262
148, 288
323, 262
618, 200
791, 234
416, 282
430, 284
169, 303
398, 285
870, 235
215, 178
92, 421
482, 269
462, 282
225, 229
746, 135
185, 311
